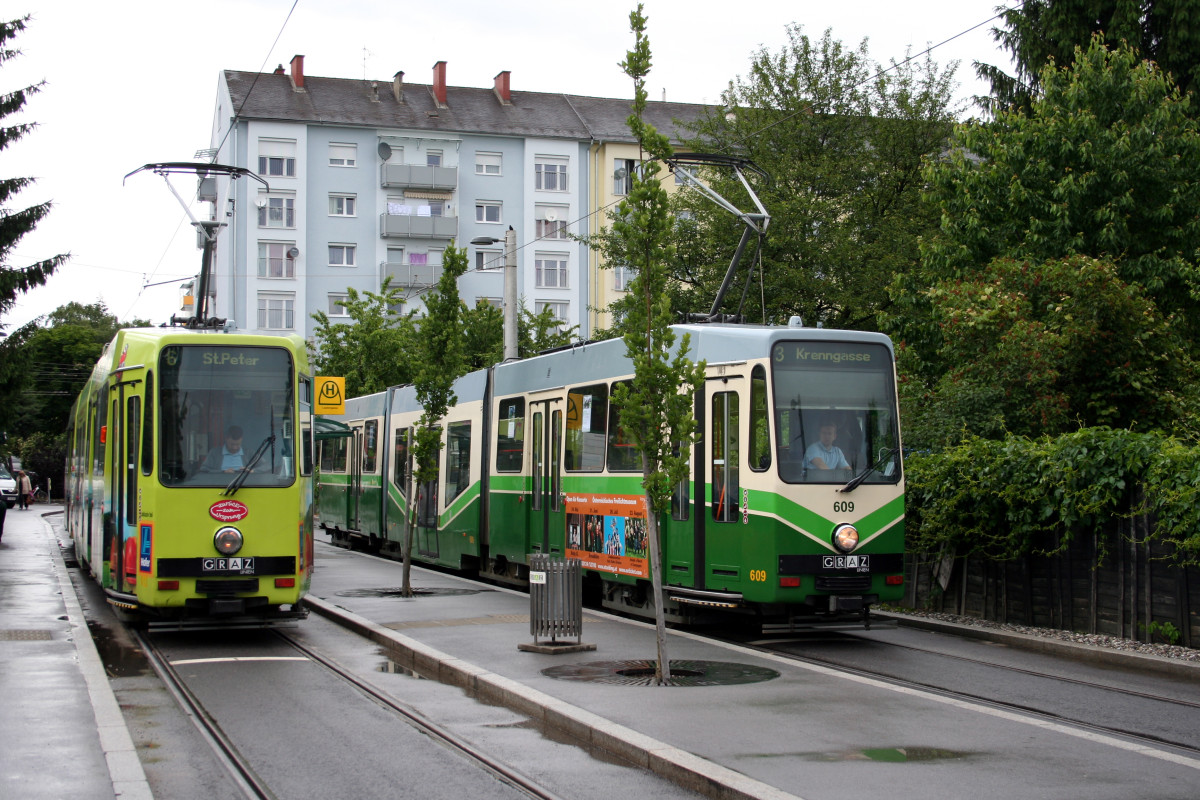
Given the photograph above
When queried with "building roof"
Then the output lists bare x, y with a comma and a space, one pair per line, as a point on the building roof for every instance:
373, 104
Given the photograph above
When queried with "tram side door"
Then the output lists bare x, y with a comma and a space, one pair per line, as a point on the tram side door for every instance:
548, 522
354, 466
123, 436
719, 497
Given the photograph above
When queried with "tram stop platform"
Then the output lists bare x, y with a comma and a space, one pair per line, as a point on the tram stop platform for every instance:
775, 729
63, 734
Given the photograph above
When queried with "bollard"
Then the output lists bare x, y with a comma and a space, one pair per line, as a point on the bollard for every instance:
555, 605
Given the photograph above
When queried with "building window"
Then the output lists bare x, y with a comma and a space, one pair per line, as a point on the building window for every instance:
337, 304
489, 259
487, 212
395, 255
622, 277
342, 205
494, 302
487, 163
276, 211
550, 221
557, 308
550, 174
277, 157
623, 169
433, 158
341, 255
275, 260
276, 312
343, 155
551, 271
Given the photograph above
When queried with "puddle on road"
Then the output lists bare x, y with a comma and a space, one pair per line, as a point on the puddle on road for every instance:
891, 755
640, 672
120, 657
417, 592
392, 668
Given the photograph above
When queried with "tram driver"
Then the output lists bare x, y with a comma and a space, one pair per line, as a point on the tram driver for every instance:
230, 457
824, 454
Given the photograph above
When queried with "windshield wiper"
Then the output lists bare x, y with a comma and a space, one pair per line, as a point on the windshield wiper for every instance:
862, 476
244, 473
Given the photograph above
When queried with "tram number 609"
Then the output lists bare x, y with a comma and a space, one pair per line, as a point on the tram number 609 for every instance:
758, 575
843, 507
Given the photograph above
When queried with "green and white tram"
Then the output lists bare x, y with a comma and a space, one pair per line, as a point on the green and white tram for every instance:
535, 460
189, 477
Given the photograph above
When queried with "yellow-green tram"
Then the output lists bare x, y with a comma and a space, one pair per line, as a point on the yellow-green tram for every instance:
189, 477
535, 460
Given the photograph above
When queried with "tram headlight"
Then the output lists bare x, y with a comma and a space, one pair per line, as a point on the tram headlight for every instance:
845, 537
228, 541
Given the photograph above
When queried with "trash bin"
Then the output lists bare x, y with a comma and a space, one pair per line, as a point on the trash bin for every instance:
555, 604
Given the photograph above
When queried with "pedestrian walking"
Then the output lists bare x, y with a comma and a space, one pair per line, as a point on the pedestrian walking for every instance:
24, 489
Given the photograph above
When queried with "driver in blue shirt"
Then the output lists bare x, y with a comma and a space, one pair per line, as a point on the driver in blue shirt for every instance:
230, 457
825, 454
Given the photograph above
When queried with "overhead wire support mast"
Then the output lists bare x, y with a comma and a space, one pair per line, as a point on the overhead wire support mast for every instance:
208, 228
756, 222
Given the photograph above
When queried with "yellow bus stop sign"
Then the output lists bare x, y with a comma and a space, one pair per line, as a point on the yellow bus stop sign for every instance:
331, 395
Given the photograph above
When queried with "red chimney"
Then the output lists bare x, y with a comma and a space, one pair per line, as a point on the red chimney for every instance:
502, 88
439, 83
279, 70
297, 72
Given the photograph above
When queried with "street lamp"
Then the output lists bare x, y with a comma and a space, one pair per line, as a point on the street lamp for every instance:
510, 288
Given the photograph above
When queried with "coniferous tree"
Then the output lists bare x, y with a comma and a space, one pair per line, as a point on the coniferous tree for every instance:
15, 281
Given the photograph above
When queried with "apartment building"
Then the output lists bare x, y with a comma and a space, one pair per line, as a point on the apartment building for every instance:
368, 180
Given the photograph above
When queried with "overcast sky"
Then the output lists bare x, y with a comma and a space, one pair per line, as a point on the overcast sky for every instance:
131, 82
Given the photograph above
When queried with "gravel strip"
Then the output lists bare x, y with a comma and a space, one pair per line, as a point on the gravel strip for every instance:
1093, 639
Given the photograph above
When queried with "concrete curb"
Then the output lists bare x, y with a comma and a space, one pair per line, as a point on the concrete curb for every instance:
1103, 656
124, 767
685, 769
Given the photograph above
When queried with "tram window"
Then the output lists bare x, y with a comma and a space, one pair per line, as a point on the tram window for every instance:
427, 494
306, 441
845, 389
133, 420
760, 431
726, 453
148, 427
681, 498
400, 461
333, 455
587, 413
510, 435
458, 459
370, 445
101, 432
623, 454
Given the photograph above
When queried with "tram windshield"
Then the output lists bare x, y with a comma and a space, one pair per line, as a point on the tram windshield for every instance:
226, 409
835, 412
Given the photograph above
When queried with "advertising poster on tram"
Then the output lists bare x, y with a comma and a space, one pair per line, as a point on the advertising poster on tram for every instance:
607, 532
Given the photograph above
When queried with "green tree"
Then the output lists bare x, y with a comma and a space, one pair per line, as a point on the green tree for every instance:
1106, 164
438, 346
372, 350
656, 406
1047, 347
843, 142
15, 224
1039, 31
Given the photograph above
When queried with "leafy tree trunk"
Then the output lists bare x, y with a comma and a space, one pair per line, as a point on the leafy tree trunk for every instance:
656, 406
439, 345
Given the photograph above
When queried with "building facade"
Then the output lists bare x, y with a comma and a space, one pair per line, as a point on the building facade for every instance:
367, 181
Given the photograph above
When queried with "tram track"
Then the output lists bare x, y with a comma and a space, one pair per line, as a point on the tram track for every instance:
241, 770
765, 645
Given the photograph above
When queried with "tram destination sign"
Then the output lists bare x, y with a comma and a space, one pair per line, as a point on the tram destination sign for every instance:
828, 355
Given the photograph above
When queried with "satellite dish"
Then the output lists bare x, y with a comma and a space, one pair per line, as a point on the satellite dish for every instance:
293, 253
384, 150
261, 202
551, 217
620, 174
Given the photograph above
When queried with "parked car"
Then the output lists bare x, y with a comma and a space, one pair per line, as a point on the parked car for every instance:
8, 487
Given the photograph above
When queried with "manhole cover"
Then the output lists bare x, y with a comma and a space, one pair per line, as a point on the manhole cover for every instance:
417, 592
640, 672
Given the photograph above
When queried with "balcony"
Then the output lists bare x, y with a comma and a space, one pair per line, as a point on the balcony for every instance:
415, 176
415, 226
412, 275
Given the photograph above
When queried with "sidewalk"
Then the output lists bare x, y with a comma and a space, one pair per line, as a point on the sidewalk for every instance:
63, 733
